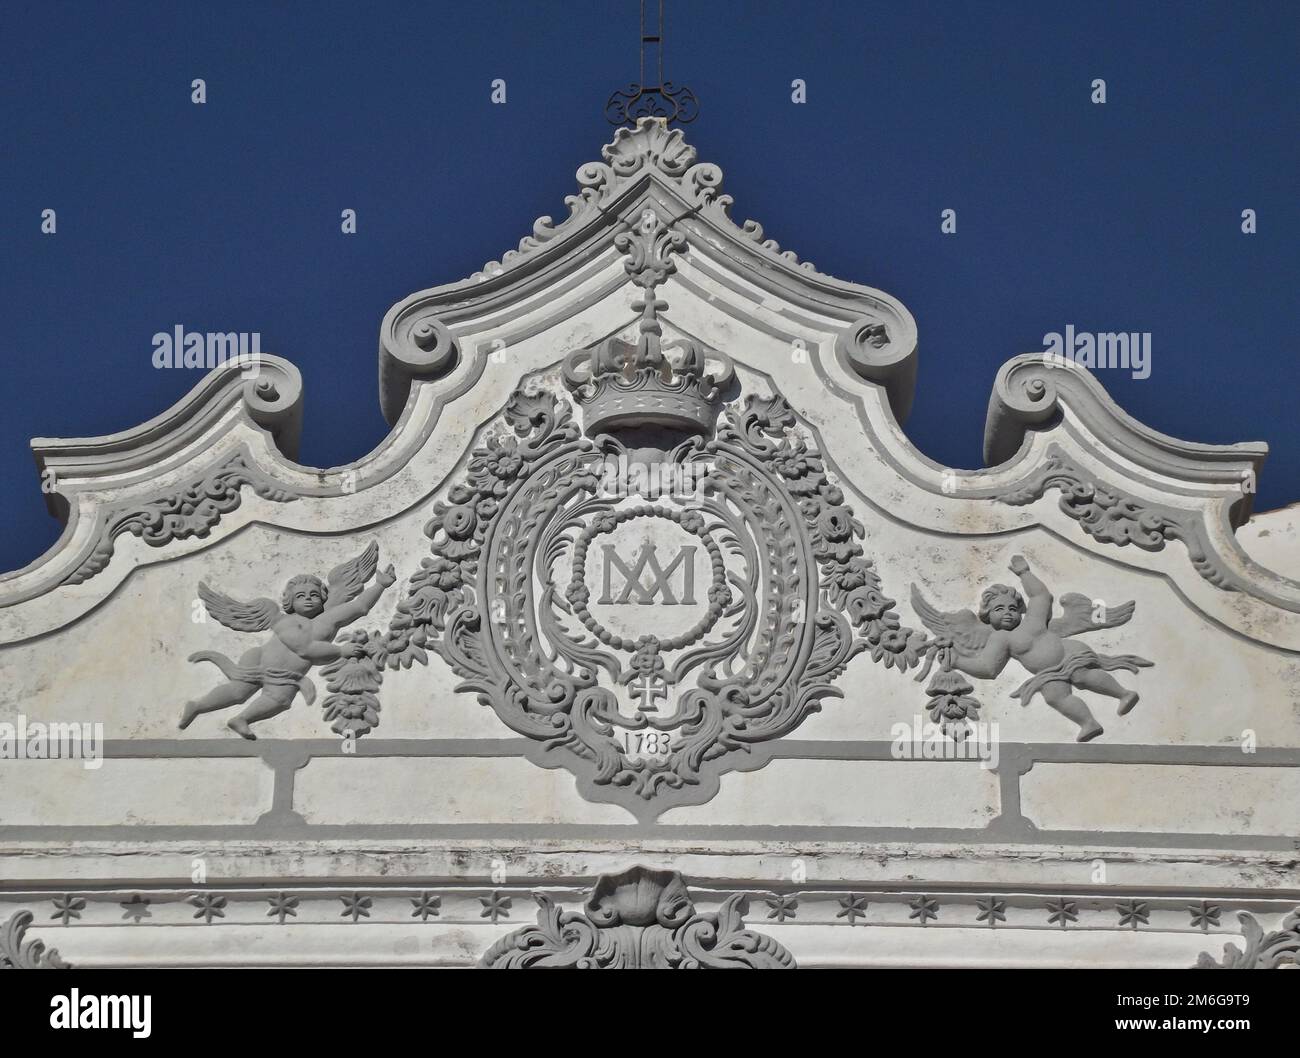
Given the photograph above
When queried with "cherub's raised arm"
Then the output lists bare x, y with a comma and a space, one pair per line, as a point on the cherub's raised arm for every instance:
336, 617
1038, 605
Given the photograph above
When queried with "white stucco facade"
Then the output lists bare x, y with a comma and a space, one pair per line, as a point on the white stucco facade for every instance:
561, 682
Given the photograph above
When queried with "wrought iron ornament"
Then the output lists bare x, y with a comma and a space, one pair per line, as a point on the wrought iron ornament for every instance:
662, 99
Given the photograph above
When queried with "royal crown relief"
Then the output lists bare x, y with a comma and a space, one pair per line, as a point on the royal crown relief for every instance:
649, 575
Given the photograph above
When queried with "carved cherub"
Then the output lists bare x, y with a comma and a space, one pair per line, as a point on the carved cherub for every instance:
1009, 627
301, 638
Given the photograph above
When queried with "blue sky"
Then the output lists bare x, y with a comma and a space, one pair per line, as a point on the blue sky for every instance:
225, 216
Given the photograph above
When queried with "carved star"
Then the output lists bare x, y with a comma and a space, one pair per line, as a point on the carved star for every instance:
852, 907
494, 907
1205, 916
356, 905
282, 905
1133, 912
68, 907
783, 905
923, 908
991, 910
209, 905
136, 908
1062, 912
426, 904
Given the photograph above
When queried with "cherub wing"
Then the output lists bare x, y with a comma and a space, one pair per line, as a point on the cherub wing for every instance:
1082, 615
255, 616
347, 580
967, 632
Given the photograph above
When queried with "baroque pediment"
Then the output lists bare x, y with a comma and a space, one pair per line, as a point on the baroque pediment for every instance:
647, 500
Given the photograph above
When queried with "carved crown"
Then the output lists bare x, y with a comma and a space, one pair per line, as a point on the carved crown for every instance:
621, 384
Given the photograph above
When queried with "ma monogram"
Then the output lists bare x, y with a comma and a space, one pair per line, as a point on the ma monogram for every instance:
661, 579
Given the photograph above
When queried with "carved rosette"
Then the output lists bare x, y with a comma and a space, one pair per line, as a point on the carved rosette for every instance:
640, 919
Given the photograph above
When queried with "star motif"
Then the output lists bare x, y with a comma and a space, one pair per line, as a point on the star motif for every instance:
426, 904
136, 908
282, 905
1062, 912
1133, 912
783, 905
852, 907
923, 908
68, 907
991, 910
209, 905
356, 905
1205, 916
494, 907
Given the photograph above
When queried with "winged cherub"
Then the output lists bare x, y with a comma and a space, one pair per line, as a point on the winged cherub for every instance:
301, 637
1009, 627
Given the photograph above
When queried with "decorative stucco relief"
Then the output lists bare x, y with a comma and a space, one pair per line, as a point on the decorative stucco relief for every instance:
651, 145
1263, 951
177, 515
640, 919
1009, 628
521, 592
1106, 514
301, 637
19, 953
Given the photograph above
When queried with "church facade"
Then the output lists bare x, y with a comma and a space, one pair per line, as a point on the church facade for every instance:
646, 638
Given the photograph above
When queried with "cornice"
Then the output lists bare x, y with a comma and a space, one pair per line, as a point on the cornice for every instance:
269, 391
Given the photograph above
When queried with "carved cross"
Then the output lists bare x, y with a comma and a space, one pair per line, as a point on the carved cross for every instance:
648, 693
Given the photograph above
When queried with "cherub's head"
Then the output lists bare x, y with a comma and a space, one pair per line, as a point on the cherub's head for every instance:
1001, 607
304, 595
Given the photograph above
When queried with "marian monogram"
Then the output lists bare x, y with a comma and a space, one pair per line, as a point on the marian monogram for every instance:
660, 583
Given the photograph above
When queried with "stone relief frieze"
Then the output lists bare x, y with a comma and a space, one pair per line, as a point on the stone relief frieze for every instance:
640, 919
645, 917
